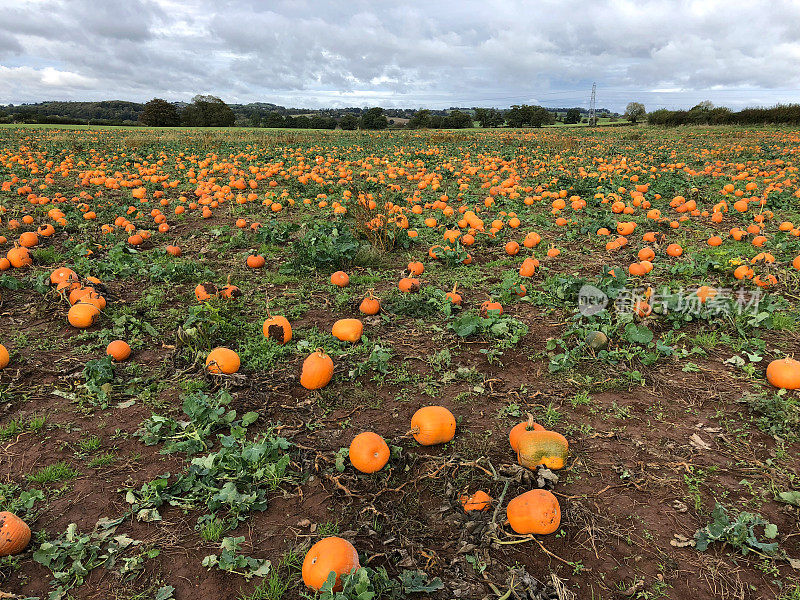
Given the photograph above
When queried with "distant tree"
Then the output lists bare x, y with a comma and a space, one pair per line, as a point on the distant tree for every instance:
573, 116
539, 116
348, 121
420, 120
635, 111
208, 111
436, 122
458, 120
301, 122
273, 120
160, 113
518, 116
489, 117
374, 119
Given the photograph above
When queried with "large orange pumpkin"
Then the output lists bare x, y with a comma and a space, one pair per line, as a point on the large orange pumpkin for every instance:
433, 425
331, 554
14, 534
82, 315
536, 511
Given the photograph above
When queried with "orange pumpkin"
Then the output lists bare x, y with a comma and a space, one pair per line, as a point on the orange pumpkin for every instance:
369, 452
479, 501
432, 425
14, 534
119, 350
454, 297
409, 285
255, 261
82, 315
348, 330
4, 357
19, 257
491, 305
278, 328
205, 291
223, 360
534, 512
370, 305
340, 279
317, 370
784, 373
329, 555
416, 268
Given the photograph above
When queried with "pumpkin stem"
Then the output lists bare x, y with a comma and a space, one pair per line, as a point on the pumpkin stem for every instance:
455, 285
531, 422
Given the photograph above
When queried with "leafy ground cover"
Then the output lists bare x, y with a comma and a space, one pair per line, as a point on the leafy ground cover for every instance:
643, 281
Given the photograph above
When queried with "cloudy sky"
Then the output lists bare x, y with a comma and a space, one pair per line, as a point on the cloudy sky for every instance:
434, 53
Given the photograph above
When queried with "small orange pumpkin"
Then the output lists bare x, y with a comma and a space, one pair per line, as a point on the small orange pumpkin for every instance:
340, 279
223, 360
119, 350
369, 452
479, 501
370, 305
432, 425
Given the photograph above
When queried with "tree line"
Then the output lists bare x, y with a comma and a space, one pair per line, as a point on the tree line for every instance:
706, 113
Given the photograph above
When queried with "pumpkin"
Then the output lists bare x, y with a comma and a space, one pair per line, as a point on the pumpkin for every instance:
415, 268
119, 350
784, 373
174, 250
317, 370
205, 291
82, 315
4, 357
596, 340
348, 330
5, 264
409, 285
278, 328
340, 279
369, 453
230, 291
534, 512
520, 428
512, 248
62, 274
674, 250
28, 239
370, 305
479, 501
331, 554
528, 267
454, 297
432, 425
19, 257
255, 261
542, 447
14, 534
223, 360
491, 305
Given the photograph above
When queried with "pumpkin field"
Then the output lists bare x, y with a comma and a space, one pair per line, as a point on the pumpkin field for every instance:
504, 364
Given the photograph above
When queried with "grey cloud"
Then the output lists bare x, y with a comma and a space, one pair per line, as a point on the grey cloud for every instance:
312, 53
